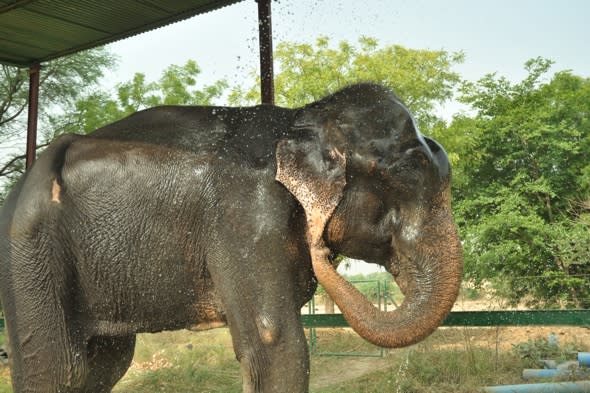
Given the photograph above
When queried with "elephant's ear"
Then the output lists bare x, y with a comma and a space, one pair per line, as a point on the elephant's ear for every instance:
315, 177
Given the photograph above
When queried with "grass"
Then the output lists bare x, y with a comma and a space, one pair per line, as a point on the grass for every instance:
343, 341
458, 360
182, 362
5, 380
448, 361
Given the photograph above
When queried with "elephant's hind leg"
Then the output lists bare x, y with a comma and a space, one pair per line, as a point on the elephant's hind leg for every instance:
45, 359
108, 360
47, 351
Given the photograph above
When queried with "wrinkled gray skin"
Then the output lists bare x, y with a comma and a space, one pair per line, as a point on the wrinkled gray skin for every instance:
172, 218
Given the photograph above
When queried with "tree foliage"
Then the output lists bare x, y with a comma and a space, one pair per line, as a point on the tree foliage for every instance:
177, 86
523, 193
62, 82
422, 79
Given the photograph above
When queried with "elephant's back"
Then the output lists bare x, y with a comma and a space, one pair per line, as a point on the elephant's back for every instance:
244, 135
191, 128
97, 174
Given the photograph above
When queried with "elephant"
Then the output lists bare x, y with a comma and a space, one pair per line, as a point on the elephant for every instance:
207, 216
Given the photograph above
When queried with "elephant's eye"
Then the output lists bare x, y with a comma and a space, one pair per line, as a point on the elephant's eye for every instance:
420, 155
378, 148
373, 147
417, 155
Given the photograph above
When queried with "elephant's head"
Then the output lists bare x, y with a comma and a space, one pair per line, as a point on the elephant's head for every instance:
374, 188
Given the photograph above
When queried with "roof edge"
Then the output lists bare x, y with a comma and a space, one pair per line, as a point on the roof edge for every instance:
125, 34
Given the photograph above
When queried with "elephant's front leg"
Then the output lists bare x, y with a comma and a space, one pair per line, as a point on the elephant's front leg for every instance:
263, 310
272, 354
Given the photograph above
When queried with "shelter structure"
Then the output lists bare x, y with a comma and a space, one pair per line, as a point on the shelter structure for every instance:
35, 31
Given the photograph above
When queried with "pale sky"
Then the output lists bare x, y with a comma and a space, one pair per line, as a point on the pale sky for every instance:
496, 36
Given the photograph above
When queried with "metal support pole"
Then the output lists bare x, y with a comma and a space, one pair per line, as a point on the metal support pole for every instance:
33, 113
266, 62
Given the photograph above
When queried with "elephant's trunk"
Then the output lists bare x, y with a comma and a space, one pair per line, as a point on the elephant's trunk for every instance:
431, 286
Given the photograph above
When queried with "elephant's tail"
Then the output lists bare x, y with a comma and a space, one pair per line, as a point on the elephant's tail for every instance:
36, 191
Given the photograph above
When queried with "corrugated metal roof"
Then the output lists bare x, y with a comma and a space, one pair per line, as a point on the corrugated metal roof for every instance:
34, 31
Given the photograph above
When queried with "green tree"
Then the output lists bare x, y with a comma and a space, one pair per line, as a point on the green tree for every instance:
522, 200
422, 79
62, 82
176, 86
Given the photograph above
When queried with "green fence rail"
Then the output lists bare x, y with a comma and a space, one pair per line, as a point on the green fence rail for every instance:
478, 318
471, 318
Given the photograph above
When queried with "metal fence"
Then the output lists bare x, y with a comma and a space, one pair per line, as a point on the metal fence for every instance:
478, 318
495, 318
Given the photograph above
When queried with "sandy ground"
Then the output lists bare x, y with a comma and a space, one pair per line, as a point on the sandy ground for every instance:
500, 339
497, 338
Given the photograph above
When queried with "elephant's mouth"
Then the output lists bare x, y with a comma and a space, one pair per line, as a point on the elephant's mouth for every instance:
426, 265
375, 251
399, 272
397, 265
369, 243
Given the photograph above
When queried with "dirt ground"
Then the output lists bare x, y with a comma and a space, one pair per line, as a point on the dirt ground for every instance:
496, 338
502, 338
506, 337
327, 369
348, 369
